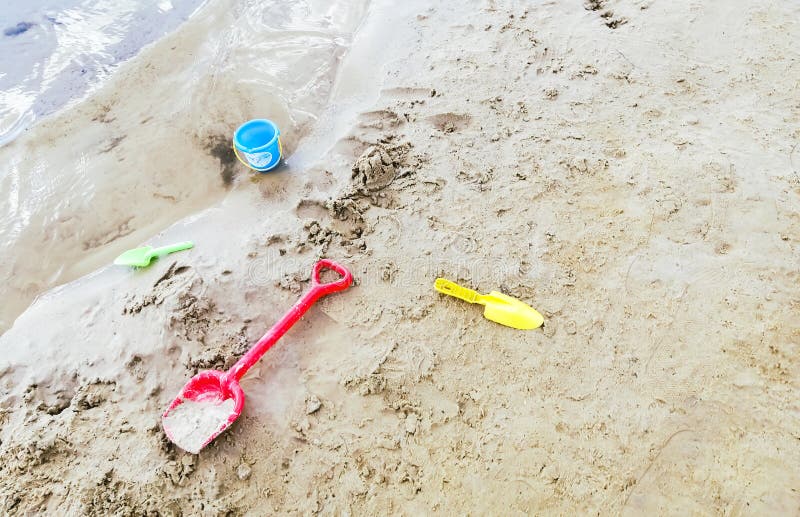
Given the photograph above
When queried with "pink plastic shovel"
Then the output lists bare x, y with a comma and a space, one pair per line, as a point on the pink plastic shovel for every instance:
211, 400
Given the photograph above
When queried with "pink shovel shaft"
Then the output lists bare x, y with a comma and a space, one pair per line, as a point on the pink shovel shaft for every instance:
318, 290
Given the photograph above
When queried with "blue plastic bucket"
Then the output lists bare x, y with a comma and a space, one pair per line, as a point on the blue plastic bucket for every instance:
258, 141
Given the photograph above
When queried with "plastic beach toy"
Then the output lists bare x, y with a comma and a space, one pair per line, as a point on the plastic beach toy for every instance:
141, 257
259, 142
499, 307
211, 400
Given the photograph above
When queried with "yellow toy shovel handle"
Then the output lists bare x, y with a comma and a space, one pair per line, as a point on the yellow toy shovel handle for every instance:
447, 287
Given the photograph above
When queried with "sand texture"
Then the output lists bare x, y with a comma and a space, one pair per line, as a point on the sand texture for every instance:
628, 168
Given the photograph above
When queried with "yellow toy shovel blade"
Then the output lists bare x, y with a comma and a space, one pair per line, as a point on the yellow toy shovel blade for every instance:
499, 307
510, 312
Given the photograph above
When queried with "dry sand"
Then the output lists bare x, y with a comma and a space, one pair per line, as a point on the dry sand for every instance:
626, 167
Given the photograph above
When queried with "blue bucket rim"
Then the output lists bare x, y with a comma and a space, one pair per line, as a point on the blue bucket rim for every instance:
250, 123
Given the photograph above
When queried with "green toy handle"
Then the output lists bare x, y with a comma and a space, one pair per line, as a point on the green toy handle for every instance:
172, 248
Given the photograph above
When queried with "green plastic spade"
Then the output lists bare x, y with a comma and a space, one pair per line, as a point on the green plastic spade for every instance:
141, 257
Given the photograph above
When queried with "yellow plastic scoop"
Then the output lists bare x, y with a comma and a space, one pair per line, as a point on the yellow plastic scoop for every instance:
499, 308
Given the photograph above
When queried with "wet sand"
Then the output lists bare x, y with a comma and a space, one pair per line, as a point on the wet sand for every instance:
628, 168
153, 145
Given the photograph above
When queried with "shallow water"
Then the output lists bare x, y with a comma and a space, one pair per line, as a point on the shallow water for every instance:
55, 51
151, 143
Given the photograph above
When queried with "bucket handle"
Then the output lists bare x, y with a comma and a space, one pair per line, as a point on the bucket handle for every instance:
244, 162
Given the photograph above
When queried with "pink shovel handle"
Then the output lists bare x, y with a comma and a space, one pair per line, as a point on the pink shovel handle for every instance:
317, 291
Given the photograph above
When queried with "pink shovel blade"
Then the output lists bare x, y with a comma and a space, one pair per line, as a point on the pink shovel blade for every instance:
208, 404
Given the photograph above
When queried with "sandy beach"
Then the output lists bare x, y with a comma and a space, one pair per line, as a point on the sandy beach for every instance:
630, 168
